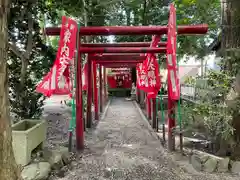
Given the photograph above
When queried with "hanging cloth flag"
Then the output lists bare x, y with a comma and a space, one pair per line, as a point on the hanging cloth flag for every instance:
57, 81
148, 78
141, 76
173, 77
84, 77
152, 71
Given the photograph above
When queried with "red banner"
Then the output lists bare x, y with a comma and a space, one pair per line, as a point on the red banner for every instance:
84, 77
57, 81
173, 77
152, 69
148, 72
44, 86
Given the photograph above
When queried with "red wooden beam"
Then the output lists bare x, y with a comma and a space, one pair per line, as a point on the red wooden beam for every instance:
122, 50
123, 44
118, 57
122, 65
132, 30
119, 61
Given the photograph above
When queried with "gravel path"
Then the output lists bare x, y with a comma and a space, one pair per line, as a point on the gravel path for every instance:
122, 147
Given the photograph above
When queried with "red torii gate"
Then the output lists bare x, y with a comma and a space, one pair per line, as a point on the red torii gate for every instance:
109, 61
118, 30
104, 60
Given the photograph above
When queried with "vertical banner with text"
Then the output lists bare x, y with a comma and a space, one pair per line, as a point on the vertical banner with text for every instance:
173, 77
148, 78
57, 81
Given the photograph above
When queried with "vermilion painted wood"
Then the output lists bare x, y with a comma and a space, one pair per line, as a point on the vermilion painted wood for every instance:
119, 57
122, 50
123, 44
104, 85
119, 65
95, 90
100, 89
79, 106
132, 30
89, 92
118, 62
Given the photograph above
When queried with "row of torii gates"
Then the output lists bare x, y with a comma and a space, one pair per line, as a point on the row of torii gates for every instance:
114, 55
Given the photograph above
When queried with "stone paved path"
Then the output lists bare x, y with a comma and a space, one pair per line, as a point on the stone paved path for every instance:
122, 147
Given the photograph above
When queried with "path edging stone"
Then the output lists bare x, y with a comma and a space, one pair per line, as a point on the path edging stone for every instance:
106, 108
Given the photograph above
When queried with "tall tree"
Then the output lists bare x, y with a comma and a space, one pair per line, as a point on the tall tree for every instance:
29, 58
230, 34
8, 166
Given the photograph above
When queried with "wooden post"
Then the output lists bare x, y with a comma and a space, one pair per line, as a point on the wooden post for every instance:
100, 89
154, 114
89, 92
104, 85
149, 108
95, 91
79, 104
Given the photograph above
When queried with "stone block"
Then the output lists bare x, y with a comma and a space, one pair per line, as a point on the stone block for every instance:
210, 165
27, 135
223, 165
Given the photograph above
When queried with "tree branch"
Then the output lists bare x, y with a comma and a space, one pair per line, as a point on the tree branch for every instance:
16, 50
30, 36
27, 54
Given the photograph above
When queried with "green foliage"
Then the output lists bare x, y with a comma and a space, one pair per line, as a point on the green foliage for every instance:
24, 101
209, 110
197, 12
215, 121
190, 80
156, 13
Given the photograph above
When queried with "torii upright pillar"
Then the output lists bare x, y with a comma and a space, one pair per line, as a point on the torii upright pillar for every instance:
95, 91
89, 91
104, 85
100, 89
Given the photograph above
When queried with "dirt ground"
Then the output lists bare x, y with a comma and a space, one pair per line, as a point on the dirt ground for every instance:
121, 147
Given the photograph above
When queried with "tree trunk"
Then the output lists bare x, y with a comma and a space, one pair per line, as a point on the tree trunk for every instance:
230, 31
230, 45
8, 166
202, 66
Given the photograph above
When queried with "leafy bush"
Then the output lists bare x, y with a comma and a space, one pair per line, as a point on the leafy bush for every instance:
209, 112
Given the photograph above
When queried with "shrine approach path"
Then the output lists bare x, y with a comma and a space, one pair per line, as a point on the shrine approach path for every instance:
123, 147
